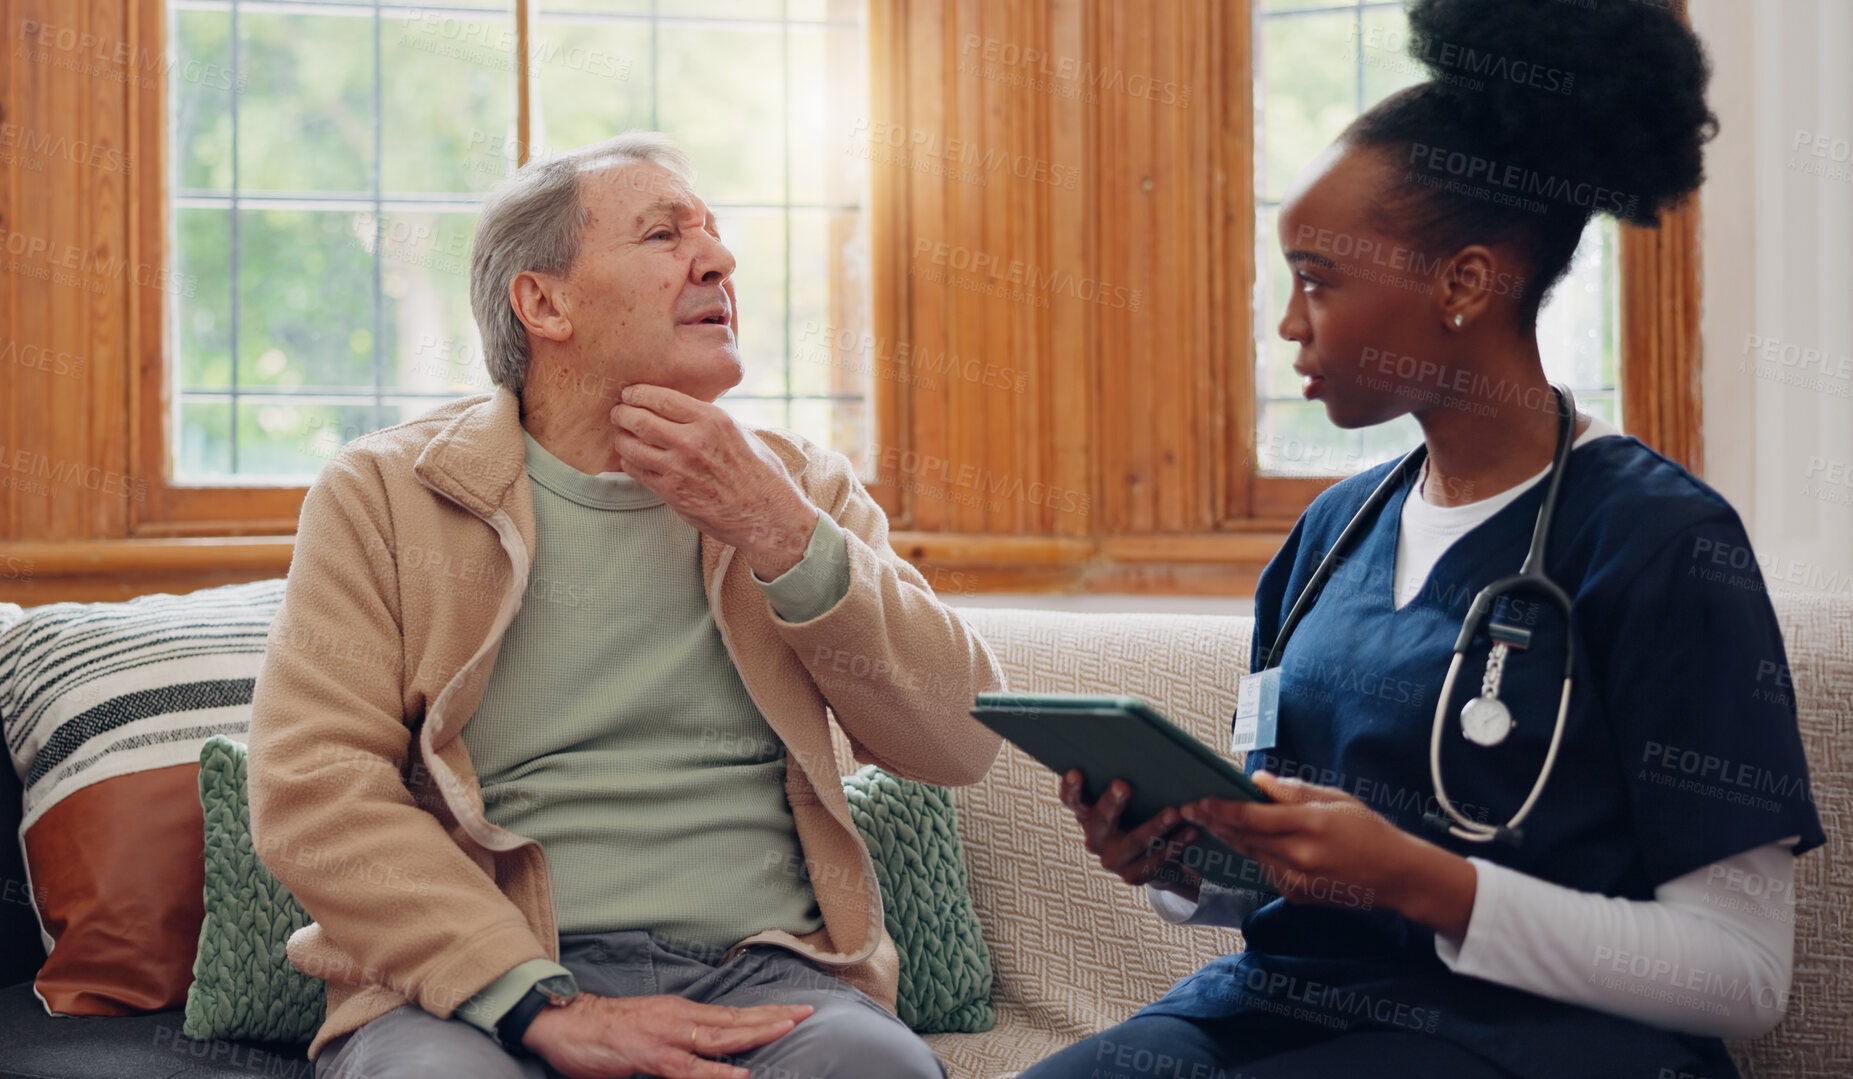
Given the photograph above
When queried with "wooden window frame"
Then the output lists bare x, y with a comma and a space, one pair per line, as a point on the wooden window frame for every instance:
1186, 516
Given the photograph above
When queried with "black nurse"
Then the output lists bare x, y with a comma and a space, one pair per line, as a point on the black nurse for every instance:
1615, 934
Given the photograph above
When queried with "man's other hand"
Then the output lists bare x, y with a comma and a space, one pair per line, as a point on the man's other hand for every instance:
596, 1037
715, 474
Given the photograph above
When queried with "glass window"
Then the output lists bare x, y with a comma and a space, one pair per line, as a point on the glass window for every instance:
327, 162
1303, 100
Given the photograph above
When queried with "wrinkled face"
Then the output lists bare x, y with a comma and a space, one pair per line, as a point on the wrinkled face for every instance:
650, 296
1362, 308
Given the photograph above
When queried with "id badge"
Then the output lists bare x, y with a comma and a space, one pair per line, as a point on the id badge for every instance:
1257, 710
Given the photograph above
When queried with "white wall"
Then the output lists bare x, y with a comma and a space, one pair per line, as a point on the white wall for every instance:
1778, 267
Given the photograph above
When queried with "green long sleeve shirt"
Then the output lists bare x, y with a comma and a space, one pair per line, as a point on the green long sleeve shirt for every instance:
616, 731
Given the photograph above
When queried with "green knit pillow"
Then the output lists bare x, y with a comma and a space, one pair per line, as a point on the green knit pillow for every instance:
243, 984
913, 837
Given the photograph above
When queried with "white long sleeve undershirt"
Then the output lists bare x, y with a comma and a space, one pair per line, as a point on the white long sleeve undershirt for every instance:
1711, 954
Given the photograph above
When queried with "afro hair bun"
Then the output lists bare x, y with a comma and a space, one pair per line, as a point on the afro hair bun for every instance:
1604, 92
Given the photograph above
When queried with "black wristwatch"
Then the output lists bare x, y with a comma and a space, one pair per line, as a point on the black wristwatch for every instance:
552, 991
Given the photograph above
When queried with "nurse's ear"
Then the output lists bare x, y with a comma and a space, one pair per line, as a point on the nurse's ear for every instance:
1468, 286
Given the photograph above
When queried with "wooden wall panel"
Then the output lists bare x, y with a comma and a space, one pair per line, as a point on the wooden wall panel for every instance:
1660, 391
1089, 263
69, 275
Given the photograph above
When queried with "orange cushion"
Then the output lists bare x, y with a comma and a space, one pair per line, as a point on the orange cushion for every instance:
119, 871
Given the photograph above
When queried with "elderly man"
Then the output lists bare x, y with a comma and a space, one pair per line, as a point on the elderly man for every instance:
550, 680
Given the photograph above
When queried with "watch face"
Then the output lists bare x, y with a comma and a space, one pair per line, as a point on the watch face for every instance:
558, 985
1485, 721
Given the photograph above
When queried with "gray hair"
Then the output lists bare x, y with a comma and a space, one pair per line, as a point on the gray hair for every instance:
532, 221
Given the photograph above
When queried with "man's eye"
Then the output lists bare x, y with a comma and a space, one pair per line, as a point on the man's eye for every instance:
662, 234
1308, 285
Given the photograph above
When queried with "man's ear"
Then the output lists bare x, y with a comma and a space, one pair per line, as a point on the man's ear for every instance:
534, 298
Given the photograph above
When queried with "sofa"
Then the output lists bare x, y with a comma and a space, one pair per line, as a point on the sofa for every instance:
1074, 949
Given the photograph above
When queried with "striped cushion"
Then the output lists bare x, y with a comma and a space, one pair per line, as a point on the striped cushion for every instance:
105, 708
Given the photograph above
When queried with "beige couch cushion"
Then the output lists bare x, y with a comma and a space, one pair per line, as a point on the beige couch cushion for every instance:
1817, 1037
1077, 951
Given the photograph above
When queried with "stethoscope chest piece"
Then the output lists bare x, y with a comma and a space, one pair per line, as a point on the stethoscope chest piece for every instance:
1485, 721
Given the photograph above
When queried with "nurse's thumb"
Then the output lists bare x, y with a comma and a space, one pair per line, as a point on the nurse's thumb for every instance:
1288, 789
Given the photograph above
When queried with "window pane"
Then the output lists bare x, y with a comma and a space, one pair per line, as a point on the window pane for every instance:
1305, 98
757, 241
328, 161
722, 94
824, 119
204, 442
200, 107
306, 117
594, 81
430, 139
201, 325
305, 290
430, 339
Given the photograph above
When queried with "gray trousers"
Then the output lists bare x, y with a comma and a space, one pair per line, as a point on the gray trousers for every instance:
848, 1036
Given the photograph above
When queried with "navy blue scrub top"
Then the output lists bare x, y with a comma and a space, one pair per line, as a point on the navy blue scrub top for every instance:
1680, 750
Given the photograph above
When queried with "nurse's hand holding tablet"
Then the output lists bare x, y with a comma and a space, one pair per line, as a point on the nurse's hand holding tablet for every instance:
1318, 845
1152, 853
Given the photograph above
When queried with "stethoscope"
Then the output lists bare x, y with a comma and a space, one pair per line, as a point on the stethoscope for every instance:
1485, 720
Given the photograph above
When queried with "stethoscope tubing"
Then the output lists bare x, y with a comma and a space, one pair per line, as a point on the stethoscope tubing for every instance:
1530, 577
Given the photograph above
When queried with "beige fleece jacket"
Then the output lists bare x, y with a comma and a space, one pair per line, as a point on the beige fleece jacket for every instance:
412, 557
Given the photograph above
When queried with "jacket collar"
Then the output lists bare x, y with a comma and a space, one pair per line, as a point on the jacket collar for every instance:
478, 460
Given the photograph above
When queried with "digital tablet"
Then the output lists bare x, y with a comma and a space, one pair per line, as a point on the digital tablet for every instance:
1111, 738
